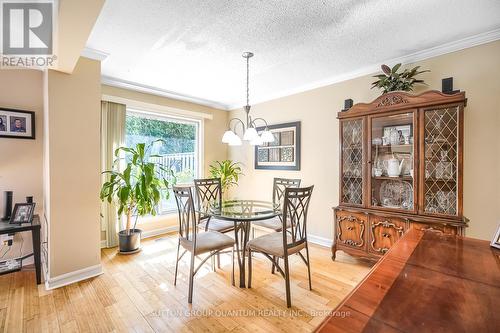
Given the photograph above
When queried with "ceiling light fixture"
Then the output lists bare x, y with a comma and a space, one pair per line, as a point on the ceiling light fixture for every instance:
249, 129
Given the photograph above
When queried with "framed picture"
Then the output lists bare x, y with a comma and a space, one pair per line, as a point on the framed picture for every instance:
495, 242
17, 124
405, 130
23, 213
284, 152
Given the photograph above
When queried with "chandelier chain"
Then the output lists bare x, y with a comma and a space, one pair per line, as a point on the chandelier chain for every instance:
248, 80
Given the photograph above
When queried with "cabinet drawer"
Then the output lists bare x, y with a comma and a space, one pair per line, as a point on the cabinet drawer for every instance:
384, 232
441, 228
351, 229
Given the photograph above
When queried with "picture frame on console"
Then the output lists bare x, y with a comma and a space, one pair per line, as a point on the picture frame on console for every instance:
22, 213
17, 124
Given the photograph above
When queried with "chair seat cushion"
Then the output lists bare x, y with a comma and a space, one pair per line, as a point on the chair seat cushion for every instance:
273, 244
207, 242
272, 223
217, 225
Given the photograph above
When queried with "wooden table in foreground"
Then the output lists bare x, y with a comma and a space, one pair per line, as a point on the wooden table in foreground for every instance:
427, 282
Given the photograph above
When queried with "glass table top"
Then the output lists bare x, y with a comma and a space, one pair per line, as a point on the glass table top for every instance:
242, 210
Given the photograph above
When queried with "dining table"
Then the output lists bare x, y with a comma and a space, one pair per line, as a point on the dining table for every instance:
242, 213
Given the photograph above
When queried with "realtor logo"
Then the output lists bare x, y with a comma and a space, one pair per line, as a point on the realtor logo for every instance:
27, 28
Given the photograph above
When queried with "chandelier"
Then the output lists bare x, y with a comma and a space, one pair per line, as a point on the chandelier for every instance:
248, 128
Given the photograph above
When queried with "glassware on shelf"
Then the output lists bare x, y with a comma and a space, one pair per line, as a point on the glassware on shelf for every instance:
396, 194
428, 169
444, 168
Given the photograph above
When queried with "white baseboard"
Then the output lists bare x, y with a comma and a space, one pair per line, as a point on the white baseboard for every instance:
72, 277
148, 234
322, 241
159, 231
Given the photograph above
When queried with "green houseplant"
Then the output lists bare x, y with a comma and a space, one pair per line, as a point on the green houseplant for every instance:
136, 190
228, 171
391, 80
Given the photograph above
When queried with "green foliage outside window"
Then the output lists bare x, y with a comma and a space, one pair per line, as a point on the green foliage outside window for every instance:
178, 137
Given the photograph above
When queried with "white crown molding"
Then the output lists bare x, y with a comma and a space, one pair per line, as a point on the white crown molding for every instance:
94, 54
450, 47
72, 277
119, 83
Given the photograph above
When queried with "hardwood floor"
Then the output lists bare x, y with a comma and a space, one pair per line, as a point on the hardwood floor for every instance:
136, 294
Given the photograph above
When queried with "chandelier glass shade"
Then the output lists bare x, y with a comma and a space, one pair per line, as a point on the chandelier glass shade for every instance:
248, 128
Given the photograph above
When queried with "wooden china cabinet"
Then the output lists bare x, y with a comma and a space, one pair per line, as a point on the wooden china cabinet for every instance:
401, 167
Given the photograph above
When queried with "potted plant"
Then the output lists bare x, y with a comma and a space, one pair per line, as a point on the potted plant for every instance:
391, 80
228, 171
136, 190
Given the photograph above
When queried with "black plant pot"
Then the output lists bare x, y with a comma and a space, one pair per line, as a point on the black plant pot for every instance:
129, 242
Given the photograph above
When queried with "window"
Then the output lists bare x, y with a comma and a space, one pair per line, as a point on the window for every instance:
180, 151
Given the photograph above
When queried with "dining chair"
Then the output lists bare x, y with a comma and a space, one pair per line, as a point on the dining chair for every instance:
195, 242
275, 223
288, 241
279, 186
209, 191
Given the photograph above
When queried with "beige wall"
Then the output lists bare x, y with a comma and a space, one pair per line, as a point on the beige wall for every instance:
21, 159
73, 163
476, 71
213, 130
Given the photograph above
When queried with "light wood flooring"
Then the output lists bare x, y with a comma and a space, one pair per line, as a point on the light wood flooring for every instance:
136, 294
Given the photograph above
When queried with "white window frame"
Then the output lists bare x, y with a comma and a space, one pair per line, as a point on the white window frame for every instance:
199, 144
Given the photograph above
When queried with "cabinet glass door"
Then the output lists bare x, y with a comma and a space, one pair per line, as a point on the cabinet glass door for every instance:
441, 160
392, 157
352, 162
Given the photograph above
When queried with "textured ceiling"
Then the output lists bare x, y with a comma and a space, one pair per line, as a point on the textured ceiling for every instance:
193, 47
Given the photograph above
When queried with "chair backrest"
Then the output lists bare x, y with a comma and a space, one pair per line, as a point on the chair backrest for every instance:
279, 186
207, 191
187, 216
295, 206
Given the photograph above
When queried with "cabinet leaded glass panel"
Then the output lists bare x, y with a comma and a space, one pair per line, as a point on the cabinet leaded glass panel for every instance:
352, 162
441, 160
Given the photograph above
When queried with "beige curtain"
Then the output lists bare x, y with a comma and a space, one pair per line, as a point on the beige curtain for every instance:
112, 136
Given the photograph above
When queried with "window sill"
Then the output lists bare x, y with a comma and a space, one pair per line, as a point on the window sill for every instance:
158, 218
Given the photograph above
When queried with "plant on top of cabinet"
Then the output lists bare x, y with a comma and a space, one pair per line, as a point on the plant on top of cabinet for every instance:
391, 80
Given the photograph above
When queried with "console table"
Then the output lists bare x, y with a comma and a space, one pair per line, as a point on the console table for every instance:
34, 228
427, 282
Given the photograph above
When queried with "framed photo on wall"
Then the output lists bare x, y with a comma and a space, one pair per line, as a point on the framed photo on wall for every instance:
284, 152
17, 124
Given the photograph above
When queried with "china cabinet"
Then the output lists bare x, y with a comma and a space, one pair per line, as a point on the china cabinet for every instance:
400, 167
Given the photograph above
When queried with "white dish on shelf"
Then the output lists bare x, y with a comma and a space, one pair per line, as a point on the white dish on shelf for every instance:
396, 194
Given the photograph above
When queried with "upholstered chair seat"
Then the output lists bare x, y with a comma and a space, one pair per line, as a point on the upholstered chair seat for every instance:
207, 242
272, 244
273, 223
217, 225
